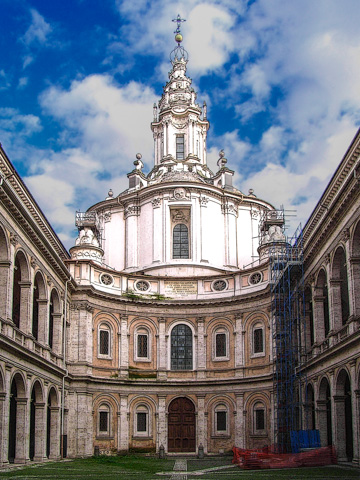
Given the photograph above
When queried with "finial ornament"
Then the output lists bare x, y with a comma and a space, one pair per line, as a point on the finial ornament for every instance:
178, 36
222, 160
179, 53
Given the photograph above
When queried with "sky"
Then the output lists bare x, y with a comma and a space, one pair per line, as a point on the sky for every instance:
78, 79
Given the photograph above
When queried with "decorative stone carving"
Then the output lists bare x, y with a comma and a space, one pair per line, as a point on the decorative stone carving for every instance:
87, 237
106, 279
274, 234
219, 285
142, 285
346, 234
255, 278
180, 216
33, 262
107, 216
131, 210
13, 239
255, 213
82, 306
156, 202
179, 193
203, 201
229, 208
222, 160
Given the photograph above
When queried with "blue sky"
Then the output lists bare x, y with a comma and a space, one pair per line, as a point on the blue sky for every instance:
78, 79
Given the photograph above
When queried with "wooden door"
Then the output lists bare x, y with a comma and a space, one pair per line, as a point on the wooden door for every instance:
181, 426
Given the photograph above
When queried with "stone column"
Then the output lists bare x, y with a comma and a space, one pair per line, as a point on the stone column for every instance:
5, 290
335, 305
356, 416
319, 333
4, 446
354, 285
230, 215
25, 317
55, 433
84, 424
157, 240
131, 214
355, 412
339, 421
124, 421
205, 234
57, 334
43, 329
240, 428
239, 345
124, 346
162, 350
40, 432
201, 423
201, 348
162, 423
21, 430
3, 460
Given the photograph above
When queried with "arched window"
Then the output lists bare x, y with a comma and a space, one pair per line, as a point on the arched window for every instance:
104, 340
142, 345
257, 340
181, 348
259, 418
221, 344
104, 420
181, 241
221, 420
142, 423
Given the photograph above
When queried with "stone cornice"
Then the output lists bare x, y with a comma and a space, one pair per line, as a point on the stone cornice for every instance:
20, 203
346, 177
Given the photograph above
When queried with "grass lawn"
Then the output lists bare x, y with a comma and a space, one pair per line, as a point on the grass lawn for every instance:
150, 468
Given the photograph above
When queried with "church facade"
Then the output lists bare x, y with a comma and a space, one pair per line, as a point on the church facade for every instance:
157, 328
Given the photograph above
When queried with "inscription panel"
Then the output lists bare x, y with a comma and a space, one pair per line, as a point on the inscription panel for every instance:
180, 288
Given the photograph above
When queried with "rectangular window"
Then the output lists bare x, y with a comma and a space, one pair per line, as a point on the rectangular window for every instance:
260, 419
142, 344
220, 341
221, 421
180, 147
104, 342
141, 422
103, 421
258, 340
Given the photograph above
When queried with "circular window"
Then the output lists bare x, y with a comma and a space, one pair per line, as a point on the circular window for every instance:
142, 286
106, 279
219, 285
255, 278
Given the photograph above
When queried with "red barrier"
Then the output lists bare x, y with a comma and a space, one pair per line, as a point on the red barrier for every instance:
268, 458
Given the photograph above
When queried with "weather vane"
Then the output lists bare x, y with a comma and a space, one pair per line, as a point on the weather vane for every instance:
178, 36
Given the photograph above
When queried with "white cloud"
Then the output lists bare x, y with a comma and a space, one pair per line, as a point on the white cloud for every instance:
38, 31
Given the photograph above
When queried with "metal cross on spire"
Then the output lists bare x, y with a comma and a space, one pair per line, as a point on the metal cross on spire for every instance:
178, 20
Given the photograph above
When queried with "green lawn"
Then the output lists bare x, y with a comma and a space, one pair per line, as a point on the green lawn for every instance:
150, 468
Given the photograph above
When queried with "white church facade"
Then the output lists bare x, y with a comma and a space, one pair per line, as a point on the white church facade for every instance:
158, 327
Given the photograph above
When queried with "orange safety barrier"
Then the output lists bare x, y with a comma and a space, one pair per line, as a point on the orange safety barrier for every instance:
267, 457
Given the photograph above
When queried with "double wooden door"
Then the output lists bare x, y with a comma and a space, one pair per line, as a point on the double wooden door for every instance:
181, 426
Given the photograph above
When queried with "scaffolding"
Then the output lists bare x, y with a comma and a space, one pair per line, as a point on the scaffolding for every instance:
288, 326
